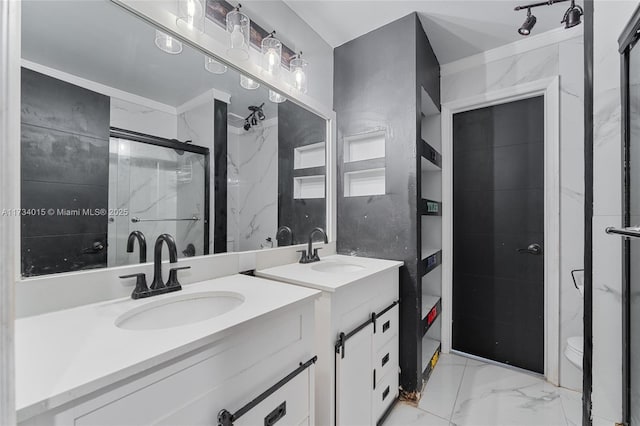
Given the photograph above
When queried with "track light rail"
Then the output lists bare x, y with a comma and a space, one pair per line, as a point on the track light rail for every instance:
542, 3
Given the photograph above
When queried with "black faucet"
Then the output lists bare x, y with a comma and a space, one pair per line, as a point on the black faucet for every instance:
285, 229
158, 285
307, 257
142, 242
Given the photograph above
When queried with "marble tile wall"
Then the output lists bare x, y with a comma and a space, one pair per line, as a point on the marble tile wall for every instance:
253, 185
196, 125
138, 118
563, 59
610, 17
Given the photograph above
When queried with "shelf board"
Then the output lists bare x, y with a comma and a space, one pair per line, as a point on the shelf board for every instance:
430, 354
430, 207
431, 159
427, 106
431, 259
431, 308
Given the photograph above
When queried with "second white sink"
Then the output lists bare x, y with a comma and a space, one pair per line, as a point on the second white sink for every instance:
336, 267
178, 310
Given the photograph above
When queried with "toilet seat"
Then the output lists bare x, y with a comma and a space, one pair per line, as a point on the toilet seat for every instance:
575, 350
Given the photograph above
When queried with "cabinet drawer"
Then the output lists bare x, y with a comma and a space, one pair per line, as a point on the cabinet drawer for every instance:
386, 359
288, 406
387, 326
384, 394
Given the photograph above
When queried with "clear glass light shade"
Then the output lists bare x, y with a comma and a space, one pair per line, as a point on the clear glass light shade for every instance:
248, 83
238, 26
298, 68
191, 14
214, 66
167, 43
271, 55
276, 97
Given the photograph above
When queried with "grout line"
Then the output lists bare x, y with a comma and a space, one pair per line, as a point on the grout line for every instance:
455, 401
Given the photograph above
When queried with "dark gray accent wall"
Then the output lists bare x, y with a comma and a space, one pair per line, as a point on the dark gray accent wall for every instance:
298, 127
377, 80
64, 165
220, 177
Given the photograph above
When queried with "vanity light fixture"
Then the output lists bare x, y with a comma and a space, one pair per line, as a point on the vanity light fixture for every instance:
271, 49
528, 24
214, 66
276, 97
248, 83
571, 18
239, 27
167, 44
191, 14
298, 66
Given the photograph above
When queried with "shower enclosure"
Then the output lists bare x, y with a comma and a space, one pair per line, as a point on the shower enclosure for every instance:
156, 186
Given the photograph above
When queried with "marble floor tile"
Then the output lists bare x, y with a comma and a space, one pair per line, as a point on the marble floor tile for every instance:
404, 414
468, 392
440, 393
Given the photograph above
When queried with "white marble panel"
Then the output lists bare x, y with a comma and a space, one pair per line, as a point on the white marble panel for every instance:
607, 335
130, 116
522, 68
233, 189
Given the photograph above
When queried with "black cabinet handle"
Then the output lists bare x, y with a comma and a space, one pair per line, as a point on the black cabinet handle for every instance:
386, 326
279, 412
533, 249
385, 359
385, 393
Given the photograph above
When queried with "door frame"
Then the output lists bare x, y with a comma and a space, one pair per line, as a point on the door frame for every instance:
549, 88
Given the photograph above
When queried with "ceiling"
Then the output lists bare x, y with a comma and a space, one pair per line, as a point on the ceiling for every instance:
456, 28
101, 42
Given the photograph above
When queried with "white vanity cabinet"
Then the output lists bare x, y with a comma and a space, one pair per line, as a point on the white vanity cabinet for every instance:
270, 357
359, 387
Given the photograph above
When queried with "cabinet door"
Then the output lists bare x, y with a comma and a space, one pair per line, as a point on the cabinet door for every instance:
354, 380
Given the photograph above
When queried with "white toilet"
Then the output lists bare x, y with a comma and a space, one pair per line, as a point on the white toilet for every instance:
574, 350
575, 345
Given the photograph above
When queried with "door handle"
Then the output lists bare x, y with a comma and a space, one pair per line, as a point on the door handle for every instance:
631, 231
533, 249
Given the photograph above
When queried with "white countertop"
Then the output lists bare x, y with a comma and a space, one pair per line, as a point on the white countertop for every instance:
64, 355
306, 275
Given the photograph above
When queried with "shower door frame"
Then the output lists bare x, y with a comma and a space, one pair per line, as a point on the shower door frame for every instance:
130, 135
549, 88
626, 42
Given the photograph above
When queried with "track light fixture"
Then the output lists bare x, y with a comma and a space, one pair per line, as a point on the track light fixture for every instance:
255, 117
528, 24
571, 18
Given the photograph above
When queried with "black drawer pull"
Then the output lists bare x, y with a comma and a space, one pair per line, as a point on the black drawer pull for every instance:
386, 326
385, 359
279, 412
385, 393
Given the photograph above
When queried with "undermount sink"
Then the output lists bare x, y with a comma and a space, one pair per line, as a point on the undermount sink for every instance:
179, 310
336, 267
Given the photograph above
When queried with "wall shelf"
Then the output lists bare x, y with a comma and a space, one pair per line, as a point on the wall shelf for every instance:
308, 187
365, 146
431, 159
306, 156
365, 183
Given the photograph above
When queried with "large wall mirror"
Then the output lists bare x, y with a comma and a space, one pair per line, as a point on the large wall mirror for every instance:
124, 130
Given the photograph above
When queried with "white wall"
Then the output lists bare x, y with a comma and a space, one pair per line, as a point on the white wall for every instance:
563, 58
144, 119
610, 17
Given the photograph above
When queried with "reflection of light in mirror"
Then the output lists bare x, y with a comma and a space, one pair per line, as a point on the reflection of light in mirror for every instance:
167, 44
297, 67
238, 25
248, 83
191, 14
214, 66
123, 149
276, 97
271, 54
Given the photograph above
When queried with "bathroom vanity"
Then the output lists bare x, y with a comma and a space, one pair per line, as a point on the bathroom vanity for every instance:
356, 335
180, 358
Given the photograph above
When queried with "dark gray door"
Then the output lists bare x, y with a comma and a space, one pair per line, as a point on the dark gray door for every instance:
498, 233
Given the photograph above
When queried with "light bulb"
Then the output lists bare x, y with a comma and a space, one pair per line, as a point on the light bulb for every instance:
237, 39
